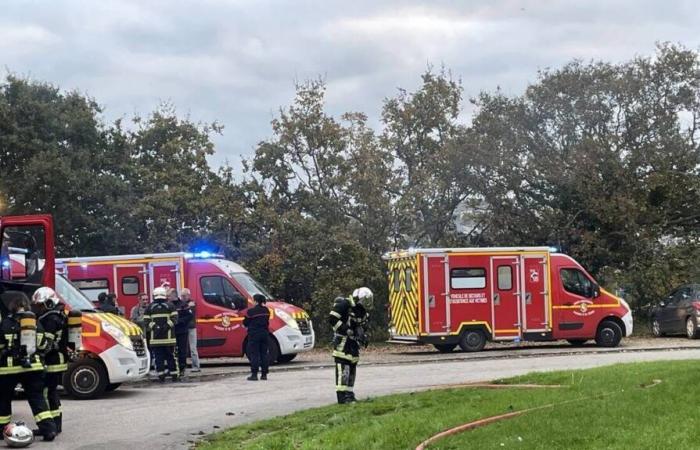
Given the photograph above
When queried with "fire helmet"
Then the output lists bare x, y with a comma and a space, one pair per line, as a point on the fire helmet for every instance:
363, 296
17, 435
160, 293
45, 296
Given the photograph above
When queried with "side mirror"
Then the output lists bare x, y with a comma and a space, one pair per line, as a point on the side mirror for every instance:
662, 303
596, 291
239, 302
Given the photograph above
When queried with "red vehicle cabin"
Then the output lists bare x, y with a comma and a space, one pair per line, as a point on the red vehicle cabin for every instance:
222, 291
468, 296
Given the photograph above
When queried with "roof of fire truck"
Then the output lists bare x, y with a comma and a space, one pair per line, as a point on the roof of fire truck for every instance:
421, 251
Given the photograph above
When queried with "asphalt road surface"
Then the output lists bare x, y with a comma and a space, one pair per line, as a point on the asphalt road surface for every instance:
175, 415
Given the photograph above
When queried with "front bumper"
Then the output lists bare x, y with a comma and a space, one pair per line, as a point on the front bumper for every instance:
124, 364
629, 323
293, 341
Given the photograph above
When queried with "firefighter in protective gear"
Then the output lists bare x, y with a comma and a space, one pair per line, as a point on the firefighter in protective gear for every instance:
54, 348
19, 363
17, 435
160, 319
348, 319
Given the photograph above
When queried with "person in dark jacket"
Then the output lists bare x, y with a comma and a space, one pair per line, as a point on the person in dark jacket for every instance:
160, 321
185, 315
257, 321
106, 303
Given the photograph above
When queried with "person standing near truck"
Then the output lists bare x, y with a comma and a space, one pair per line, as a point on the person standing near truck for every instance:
186, 296
137, 312
257, 321
185, 316
160, 318
54, 347
348, 318
19, 363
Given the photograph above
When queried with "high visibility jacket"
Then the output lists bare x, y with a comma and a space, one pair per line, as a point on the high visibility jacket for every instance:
345, 317
13, 357
54, 346
160, 319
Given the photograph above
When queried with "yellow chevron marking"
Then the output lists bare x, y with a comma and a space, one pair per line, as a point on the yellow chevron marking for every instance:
404, 302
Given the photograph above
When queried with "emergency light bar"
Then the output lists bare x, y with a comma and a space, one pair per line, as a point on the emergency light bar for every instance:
202, 255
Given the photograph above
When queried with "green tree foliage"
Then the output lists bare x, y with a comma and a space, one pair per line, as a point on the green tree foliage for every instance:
599, 159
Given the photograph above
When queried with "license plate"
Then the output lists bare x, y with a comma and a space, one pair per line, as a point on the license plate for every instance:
307, 340
144, 363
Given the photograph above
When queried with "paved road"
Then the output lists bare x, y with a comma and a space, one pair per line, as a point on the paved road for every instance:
160, 417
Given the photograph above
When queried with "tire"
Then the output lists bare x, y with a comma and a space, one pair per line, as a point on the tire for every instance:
609, 334
691, 328
472, 341
286, 358
112, 387
445, 348
656, 328
85, 379
577, 342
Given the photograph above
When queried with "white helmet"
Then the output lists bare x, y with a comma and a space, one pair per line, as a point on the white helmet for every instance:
363, 296
160, 292
17, 435
46, 296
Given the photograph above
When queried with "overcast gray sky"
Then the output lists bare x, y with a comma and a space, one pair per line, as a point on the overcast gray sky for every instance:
237, 61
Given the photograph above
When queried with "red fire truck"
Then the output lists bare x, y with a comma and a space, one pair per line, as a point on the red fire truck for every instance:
222, 290
468, 296
113, 351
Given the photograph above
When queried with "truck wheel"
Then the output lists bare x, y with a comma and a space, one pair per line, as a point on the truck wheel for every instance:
286, 358
444, 348
85, 379
691, 328
656, 327
472, 341
273, 354
111, 387
609, 334
577, 342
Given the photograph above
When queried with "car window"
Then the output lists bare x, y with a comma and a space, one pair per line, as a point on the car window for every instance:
218, 290
681, 295
576, 282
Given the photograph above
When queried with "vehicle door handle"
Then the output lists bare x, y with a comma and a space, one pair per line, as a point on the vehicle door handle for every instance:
528, 298
496, 299
207, 317
568, 304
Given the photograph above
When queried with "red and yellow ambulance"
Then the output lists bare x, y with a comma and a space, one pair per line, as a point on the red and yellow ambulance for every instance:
222, 291
468, 296
113, 349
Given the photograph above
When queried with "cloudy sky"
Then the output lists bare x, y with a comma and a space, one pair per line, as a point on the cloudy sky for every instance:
237, 61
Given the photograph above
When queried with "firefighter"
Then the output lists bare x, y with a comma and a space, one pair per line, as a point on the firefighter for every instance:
55, 346
348, 319
257, 321
159, 319
19, 363
185, 315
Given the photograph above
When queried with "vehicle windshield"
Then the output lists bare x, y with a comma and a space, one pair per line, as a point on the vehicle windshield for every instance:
250, 285
72, 295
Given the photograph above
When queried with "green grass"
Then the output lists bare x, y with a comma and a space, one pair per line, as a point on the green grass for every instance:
610, 410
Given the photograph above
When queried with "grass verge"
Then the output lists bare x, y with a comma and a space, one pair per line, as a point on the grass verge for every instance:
605, 407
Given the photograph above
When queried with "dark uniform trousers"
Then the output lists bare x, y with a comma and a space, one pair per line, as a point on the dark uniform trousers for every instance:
181, 351
346, 353
33, 384
258, 353
165, 358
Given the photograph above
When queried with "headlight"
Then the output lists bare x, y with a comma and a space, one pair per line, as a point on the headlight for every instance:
118, 335
289, 320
